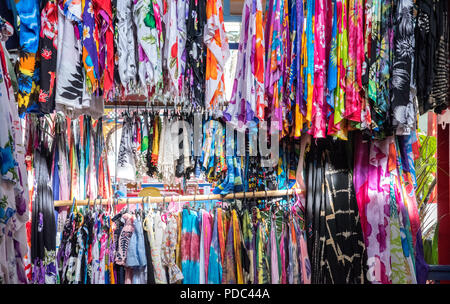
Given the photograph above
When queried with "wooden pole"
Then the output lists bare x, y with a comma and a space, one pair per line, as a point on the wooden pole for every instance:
182, 198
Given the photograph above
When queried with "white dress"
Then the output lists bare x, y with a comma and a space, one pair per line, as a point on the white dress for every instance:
155, 230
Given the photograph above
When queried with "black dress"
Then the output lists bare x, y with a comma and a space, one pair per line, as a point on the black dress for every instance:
334, 234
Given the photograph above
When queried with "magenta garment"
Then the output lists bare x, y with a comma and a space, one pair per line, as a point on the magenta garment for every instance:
355, 59
283, 255
319, 107
305, 263
207, 235
372, 186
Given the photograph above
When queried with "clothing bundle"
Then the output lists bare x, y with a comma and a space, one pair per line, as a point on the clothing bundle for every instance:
65, 159
153, 144
326, 67
361, 215
76, 54
342, 82
164, 146
229, 245
384, 180
76, 155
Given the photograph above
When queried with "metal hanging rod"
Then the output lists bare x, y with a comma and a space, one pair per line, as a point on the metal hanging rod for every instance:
180, 198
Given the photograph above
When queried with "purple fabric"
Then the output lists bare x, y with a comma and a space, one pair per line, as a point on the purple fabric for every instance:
89, 43
421, 266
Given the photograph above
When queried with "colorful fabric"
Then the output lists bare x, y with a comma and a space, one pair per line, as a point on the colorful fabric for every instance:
168, 249
247, 100
28, 77
217, 55
215, 261
48, 52
190, 247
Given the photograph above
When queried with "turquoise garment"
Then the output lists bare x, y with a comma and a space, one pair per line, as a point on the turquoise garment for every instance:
215, 261
29, 26
190, 247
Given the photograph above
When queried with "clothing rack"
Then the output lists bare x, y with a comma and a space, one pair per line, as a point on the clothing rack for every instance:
180, 198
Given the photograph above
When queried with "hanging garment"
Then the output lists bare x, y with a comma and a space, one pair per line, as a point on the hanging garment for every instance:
155, 227
205, 245
90, 54
247, 100
28, 31
403, 107
229, 263
195, 52
330, 214
248, 240
125, 42
14, 197
168, 250
431, 61
372, 190
149, 42
69, 77
126, 167
217, 55
262, 274
48, 51
43, 230
103, 12
214, 261
190, 247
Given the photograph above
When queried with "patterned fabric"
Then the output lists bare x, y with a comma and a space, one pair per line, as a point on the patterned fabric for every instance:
124, 239
273, 80
229, 266
318, 113
127, 64
14, 213
217, 55
103, 11
69, 80
48, 52
372, 191
205, 245
90, 54
195, 52
215, 261
262, 274
190, 247
334, 236
148, 24
168, 250
155, 228
247, 100
402, 273
431, 63
355, 59
237, 245
28, 77
403, 109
